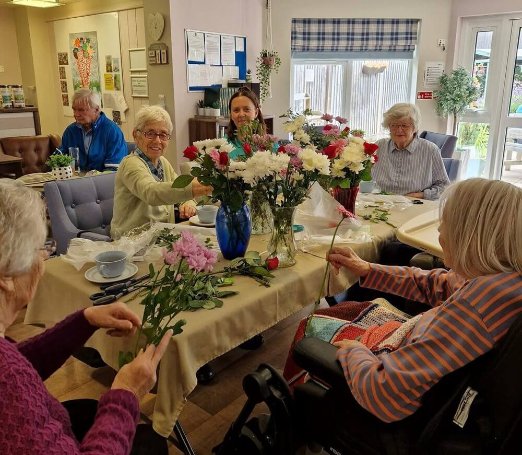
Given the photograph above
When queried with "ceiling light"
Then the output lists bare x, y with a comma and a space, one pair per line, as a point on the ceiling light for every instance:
37, 3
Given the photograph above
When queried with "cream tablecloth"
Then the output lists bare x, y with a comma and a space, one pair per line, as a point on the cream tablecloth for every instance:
208, 333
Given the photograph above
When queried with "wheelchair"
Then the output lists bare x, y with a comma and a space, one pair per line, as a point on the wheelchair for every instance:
474, 410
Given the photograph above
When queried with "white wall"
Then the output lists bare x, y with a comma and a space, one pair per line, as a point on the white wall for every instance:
434, 16
237, 17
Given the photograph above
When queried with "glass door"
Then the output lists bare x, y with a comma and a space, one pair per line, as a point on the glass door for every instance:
508, 163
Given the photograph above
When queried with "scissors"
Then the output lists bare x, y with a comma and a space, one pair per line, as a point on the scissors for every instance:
417, 202
113, 289
109, 298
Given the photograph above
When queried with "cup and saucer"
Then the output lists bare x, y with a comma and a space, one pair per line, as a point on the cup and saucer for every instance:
111, 266
206, 216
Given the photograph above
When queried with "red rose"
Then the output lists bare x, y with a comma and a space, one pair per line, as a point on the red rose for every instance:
191, 152
247, 148
281, 149
346, 130
369, 148
330, 151
223, 158
272, 263
327, 127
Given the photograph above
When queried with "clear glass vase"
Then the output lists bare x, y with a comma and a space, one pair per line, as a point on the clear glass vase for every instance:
282, 243
260, 213
233, 229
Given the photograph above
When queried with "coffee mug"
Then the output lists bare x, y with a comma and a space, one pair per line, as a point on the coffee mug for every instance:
367, 186
207, 213
111, 264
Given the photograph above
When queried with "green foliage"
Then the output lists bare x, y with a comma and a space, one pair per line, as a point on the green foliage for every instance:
475, 135
266, 63
59, 160
457, 90
251, 265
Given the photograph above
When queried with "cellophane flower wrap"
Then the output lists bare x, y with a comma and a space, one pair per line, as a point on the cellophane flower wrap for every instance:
218, 170
351, 157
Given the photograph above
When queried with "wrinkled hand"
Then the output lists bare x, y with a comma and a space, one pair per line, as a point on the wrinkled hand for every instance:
200, 190
346, 257
344, 344
116, 316
186, 210
416, 195
139, 376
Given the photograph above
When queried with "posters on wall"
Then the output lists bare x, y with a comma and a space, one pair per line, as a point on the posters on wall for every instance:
85, 67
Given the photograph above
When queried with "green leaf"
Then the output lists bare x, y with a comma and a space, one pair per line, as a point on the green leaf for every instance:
226, 281
151, 271
196, 303
261, 271
209, 305
224, 294
252, 255
182, 181
177, 327
124, 358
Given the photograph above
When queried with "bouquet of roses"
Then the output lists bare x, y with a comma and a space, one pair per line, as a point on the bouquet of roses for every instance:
217, 170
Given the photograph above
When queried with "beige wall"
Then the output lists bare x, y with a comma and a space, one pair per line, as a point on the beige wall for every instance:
240, 17
9, 48
434, 16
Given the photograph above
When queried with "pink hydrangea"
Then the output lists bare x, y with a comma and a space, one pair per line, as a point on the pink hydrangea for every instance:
327, 117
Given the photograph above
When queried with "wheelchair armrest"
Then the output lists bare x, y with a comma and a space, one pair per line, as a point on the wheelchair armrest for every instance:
93, 236
318, 358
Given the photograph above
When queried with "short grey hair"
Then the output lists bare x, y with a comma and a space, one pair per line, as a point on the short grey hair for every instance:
152, 114
402, 110
484, 224
22, 227
84, 95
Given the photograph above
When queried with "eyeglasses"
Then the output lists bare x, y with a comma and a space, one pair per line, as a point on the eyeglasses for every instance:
49, 248
152, 135
402, 126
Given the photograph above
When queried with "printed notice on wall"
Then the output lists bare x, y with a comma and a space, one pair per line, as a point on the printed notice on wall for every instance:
212, 49
195, 46
228, 49
432, 72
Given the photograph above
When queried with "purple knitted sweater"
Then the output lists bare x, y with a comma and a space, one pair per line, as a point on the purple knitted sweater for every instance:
34, 422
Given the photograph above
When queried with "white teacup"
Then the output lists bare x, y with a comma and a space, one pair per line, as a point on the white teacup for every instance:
111, 264
207, 213
367, 186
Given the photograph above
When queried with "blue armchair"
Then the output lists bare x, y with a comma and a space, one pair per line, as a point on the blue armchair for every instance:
452, 166
445, 142
80, 208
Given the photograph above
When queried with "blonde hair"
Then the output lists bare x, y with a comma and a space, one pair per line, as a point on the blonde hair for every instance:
22, 227
483, 219
152, 114
399, 111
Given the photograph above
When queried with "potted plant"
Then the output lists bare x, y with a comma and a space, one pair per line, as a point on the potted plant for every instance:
267, 63
60, 166
457, 90
201, 107
215, 110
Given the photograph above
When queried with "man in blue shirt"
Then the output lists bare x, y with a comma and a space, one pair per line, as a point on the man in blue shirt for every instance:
100, 141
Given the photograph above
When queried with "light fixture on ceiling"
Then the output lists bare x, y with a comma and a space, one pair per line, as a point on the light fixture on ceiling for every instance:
37, 3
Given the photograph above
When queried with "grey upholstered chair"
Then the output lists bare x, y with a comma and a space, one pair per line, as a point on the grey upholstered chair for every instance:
80, 208
452, 166
445, 142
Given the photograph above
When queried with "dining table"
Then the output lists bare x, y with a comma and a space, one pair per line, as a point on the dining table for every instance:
210, 333
10, 165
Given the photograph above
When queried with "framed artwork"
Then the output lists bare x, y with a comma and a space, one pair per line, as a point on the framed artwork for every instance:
137, 59
139, 86
61, 70
63, 86
63, 58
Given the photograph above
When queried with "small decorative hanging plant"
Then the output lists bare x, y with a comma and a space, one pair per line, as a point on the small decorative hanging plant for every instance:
267, 63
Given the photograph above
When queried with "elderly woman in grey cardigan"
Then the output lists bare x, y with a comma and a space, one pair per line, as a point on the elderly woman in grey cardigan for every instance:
407, 164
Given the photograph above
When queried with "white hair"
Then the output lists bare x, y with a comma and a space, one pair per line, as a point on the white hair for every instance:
84, 95
152, 114
402, 110
22, 227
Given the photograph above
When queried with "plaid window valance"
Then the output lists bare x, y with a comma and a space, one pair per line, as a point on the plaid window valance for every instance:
336, 35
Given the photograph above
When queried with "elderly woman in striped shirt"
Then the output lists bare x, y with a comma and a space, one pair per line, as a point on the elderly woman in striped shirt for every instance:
408, 164
398, 359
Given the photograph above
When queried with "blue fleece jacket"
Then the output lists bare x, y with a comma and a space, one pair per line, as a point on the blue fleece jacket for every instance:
108, 146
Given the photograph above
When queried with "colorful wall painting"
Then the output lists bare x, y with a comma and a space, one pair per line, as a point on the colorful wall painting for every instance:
83, 51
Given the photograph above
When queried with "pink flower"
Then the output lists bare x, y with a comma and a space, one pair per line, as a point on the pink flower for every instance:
331, 130
170, 257
341, 120
216, 158
327, 117
289, 149
178, 278
344, 212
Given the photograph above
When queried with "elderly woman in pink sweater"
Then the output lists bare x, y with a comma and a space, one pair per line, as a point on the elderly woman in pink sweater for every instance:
31, 420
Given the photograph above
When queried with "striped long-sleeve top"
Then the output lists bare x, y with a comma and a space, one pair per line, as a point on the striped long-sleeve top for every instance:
468, 318
417, 168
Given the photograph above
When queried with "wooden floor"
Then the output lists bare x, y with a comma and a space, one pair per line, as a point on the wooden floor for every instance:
210, 409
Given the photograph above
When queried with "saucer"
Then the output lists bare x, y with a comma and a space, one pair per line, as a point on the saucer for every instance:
195, 220
94, 276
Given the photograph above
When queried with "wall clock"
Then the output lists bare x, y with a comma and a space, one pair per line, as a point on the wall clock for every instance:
155, 25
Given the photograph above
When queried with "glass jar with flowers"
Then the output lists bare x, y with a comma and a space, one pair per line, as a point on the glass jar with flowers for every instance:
233, 224
285, 177
351, 157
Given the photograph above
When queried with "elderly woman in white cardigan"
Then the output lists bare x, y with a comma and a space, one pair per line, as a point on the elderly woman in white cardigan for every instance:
143, 190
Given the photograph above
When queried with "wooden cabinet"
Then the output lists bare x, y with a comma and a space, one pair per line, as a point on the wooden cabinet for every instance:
201, 128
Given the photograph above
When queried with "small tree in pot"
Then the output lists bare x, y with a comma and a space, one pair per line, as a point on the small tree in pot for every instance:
457, 90
60, 165
267, 62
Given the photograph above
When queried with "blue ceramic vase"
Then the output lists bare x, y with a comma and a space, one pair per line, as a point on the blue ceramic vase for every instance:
233, 231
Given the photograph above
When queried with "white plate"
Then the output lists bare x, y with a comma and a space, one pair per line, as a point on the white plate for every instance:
195, 220
94, 276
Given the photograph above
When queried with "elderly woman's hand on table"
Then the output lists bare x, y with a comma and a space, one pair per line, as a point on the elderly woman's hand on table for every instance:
117, 317
346, 257
187, 209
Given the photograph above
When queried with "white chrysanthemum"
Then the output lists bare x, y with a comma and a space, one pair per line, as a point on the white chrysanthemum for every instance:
356, 167
313, 161
302, 137
357, 140
338, 168
263, 164
296, 176
353, 153
209, 144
